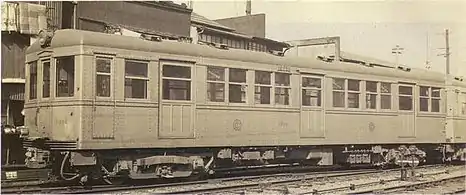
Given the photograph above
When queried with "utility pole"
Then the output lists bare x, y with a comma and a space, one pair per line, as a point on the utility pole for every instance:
449, 91
248, 7
447, 52
397, 50
427, 51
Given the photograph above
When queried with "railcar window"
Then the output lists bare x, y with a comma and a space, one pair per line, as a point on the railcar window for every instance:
429, 94
136, 79
339, 92
353, 93
216, 84
371, 95
33, 80
65, 76
282, 88
262, 87
311, 91
237, 86
435, 101
386, 96
463, 110
405, 97
424, 99
103, 77
46, 79
176, 82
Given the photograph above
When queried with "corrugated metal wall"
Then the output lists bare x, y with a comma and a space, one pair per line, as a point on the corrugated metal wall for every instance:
54, 12
135, 14
14, 46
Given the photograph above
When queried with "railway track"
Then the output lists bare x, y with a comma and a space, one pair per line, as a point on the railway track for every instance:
107, 188
445, 184
224, 185
309, 184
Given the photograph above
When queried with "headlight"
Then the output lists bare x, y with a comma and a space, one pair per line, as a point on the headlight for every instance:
23, 131
9, 130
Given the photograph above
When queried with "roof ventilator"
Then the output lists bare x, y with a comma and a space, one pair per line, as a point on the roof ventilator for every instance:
406, 69
277, 53
151, 37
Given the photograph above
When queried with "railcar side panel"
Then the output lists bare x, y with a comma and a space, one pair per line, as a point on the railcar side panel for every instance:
460, 117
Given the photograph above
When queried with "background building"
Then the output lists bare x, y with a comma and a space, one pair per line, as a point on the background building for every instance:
250, 36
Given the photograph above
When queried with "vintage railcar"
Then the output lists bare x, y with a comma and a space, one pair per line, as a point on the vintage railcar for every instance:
106, 105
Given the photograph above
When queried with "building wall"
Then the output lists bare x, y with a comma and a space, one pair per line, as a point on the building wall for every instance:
14, 46
145, 15
253, 25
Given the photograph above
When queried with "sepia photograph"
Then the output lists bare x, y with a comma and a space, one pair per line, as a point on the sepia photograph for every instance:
233, 97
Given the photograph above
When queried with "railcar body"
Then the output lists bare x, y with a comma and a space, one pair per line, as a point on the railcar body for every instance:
108, 104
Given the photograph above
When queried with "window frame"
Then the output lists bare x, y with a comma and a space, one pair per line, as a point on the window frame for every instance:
43, 62
379, 96
321, 90
430, 97
190, 79
260, 85
245, 85
31, 90
146, 79
56, 59
462, 104
390, 94
224, 82
359, 93
413, 97
377, 93
276, 86
97, 73
344, 90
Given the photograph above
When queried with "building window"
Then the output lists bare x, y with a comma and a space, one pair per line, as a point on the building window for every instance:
136, 79
263, 87
216, 84
371, 95
386, 96
311, 91
282, 88
103, 77
405, 97
237, 86
339, 92
426, 95
176, 82
65, 76
46, 79
33, 80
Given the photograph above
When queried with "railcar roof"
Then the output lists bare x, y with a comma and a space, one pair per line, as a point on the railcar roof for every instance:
70, 37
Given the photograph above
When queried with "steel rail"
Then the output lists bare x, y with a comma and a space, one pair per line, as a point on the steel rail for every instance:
107, 188
410, 185
333, 174
289, 181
